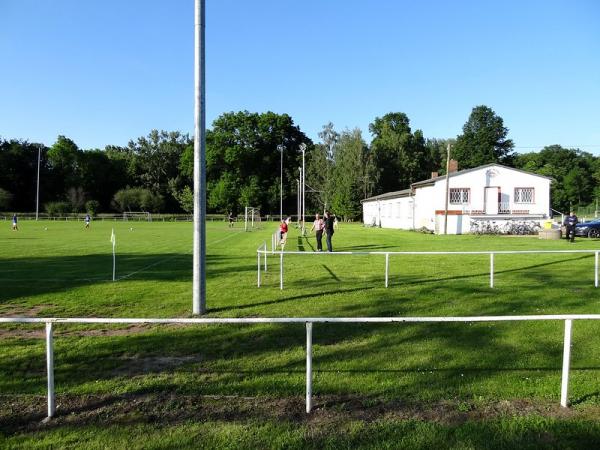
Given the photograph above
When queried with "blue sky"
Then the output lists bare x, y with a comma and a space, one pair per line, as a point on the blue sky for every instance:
104, 72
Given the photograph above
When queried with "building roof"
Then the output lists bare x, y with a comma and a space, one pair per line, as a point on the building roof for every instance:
389, 195
407, 192
461, 172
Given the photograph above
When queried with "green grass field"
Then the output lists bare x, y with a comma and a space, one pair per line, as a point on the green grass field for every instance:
462, 385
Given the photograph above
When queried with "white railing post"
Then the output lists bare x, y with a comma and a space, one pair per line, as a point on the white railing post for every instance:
281, 270
265, 254
564, 389
387, 268
491, 270
257, 269
50, 369
596, 271
308, 367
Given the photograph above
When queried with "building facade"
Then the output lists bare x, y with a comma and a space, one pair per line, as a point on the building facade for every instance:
487, 193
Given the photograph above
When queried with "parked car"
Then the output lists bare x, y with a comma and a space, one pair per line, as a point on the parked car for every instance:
588, 229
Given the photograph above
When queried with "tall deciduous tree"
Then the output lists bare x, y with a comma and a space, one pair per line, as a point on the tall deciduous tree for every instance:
401, 157
483, 141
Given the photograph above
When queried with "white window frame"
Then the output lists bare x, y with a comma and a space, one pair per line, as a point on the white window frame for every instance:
464, 195
520, 193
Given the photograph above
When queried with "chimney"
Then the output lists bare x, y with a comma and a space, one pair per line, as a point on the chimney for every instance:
452, 166
434, 174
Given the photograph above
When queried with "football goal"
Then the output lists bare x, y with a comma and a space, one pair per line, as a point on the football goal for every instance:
251, 218
137, 215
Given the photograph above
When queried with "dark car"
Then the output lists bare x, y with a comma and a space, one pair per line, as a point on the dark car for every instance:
588, 229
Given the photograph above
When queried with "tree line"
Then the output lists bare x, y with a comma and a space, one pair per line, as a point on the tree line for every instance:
247, 153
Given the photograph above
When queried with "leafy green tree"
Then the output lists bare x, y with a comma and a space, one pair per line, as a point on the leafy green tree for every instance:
400, 157
243, 163
572, 171
185, 197
483, 141
351, 158
5, 199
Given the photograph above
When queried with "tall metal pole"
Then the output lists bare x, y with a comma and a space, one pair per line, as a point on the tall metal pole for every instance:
281, 147
447, 189
37, 195
303, 148
199, 276
298, 198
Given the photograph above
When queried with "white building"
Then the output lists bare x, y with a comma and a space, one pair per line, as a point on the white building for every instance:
487, 193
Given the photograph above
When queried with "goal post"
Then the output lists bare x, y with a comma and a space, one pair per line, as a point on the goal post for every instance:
137, 215
252, 219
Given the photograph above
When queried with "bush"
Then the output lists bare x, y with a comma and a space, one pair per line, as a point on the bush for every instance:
138, 199
91, 207
5, 199
57, 208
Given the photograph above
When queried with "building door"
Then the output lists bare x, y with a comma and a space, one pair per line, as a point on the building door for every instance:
491, 200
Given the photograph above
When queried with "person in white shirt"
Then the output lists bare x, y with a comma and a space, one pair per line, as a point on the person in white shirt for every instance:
319, 226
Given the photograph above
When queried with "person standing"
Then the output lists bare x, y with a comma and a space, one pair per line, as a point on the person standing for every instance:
87, 221
329, 221
283, 231
15, 226
230, 217
570, 223
318, 226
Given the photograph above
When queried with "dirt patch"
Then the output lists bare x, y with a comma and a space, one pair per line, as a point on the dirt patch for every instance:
37, 331
26, 413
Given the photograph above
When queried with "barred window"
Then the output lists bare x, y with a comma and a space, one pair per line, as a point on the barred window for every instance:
459, 196
524, 195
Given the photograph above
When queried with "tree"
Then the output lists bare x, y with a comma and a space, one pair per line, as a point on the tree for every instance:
5, 199
243, 163
483, 140
351, 165
400, 157
571, 170
320, 161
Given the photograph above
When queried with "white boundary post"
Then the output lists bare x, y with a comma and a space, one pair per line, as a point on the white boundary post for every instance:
258, 269
596, 271
265, 254
564, 388
491, 270
387, 268
308, 367
281, 270
50, 369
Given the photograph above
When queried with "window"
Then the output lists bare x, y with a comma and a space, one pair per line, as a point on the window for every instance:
459, 196
524, 195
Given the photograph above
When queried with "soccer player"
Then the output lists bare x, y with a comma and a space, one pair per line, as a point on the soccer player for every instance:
283, 231
87, 221
15, 226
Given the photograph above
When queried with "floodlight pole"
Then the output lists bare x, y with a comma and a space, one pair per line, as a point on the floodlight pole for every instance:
447, 190
303, 149
281, 148
298, 198
199, 275
37, 194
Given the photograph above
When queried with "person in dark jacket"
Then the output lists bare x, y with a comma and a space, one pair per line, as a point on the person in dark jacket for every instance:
329, 222
570, 223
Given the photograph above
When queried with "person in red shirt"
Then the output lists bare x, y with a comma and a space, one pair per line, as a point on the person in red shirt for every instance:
283, 231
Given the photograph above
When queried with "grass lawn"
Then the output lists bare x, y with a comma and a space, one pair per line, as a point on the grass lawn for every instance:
461, 385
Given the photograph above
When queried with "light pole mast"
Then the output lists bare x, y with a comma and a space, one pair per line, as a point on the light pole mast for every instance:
37, 194
281, 148
199, 260
303, 148
447, 190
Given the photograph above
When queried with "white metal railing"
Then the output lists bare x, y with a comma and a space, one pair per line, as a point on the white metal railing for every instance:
308, 321
263, 250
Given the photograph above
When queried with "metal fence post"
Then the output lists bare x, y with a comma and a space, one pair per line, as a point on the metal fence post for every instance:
564, 389
387, 268
308, 367
491, 270
257, 269
281, 270
50, 369
265, 254
596, 271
